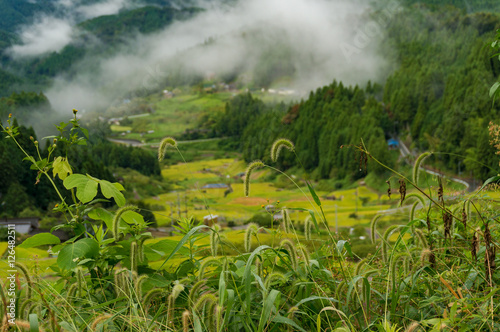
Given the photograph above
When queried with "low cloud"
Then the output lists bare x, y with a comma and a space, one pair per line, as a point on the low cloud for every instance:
47, 34
109, 7
316, 40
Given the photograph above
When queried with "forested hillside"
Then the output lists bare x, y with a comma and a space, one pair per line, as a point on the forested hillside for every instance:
439, 93
326, 128
469, 6
436, 99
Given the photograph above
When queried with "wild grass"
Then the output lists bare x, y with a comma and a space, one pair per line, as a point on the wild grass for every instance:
423, 274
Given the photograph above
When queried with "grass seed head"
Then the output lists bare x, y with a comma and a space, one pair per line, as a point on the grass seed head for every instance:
151, 295
432, 259
447, 221
206, 262
402, 190
134, 256
304, 253
475, 246
251, 230
287, 222
251, 167
292, 252
291, 312
176, 290
204, 298
308, 223
416, 166
27, 275
214, 240
489, 258
373, 227
272, 277
98, 320
464, 219
278, 145
185, 320
440, 190
165, 143
194, 291
413, 327
117, 218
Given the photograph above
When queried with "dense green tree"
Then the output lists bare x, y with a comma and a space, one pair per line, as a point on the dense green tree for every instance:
238, 113
326, 128
439, 92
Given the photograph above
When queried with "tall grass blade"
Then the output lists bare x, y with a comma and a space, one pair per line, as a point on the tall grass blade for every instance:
33, 319
313, 194
197, 323
313, 298
284, 320
222, 288
247, 280
181, 243
266, 309
229, 306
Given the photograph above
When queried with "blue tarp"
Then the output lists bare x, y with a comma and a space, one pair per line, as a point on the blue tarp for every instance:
392, 142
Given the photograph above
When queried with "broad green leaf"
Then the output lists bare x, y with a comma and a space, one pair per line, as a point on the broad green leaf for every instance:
102, 214
85, 132
471, 278
55, 249
109, 190
86, 188
70, 255
133, 218
341, 245
39, 240
61, 167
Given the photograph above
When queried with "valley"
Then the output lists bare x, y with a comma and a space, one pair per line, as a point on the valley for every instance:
249, 165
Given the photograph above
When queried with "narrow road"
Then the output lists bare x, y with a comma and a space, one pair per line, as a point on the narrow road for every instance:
403, 149
137, 143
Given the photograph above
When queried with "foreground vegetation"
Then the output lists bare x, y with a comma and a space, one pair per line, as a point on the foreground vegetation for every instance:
435, 272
